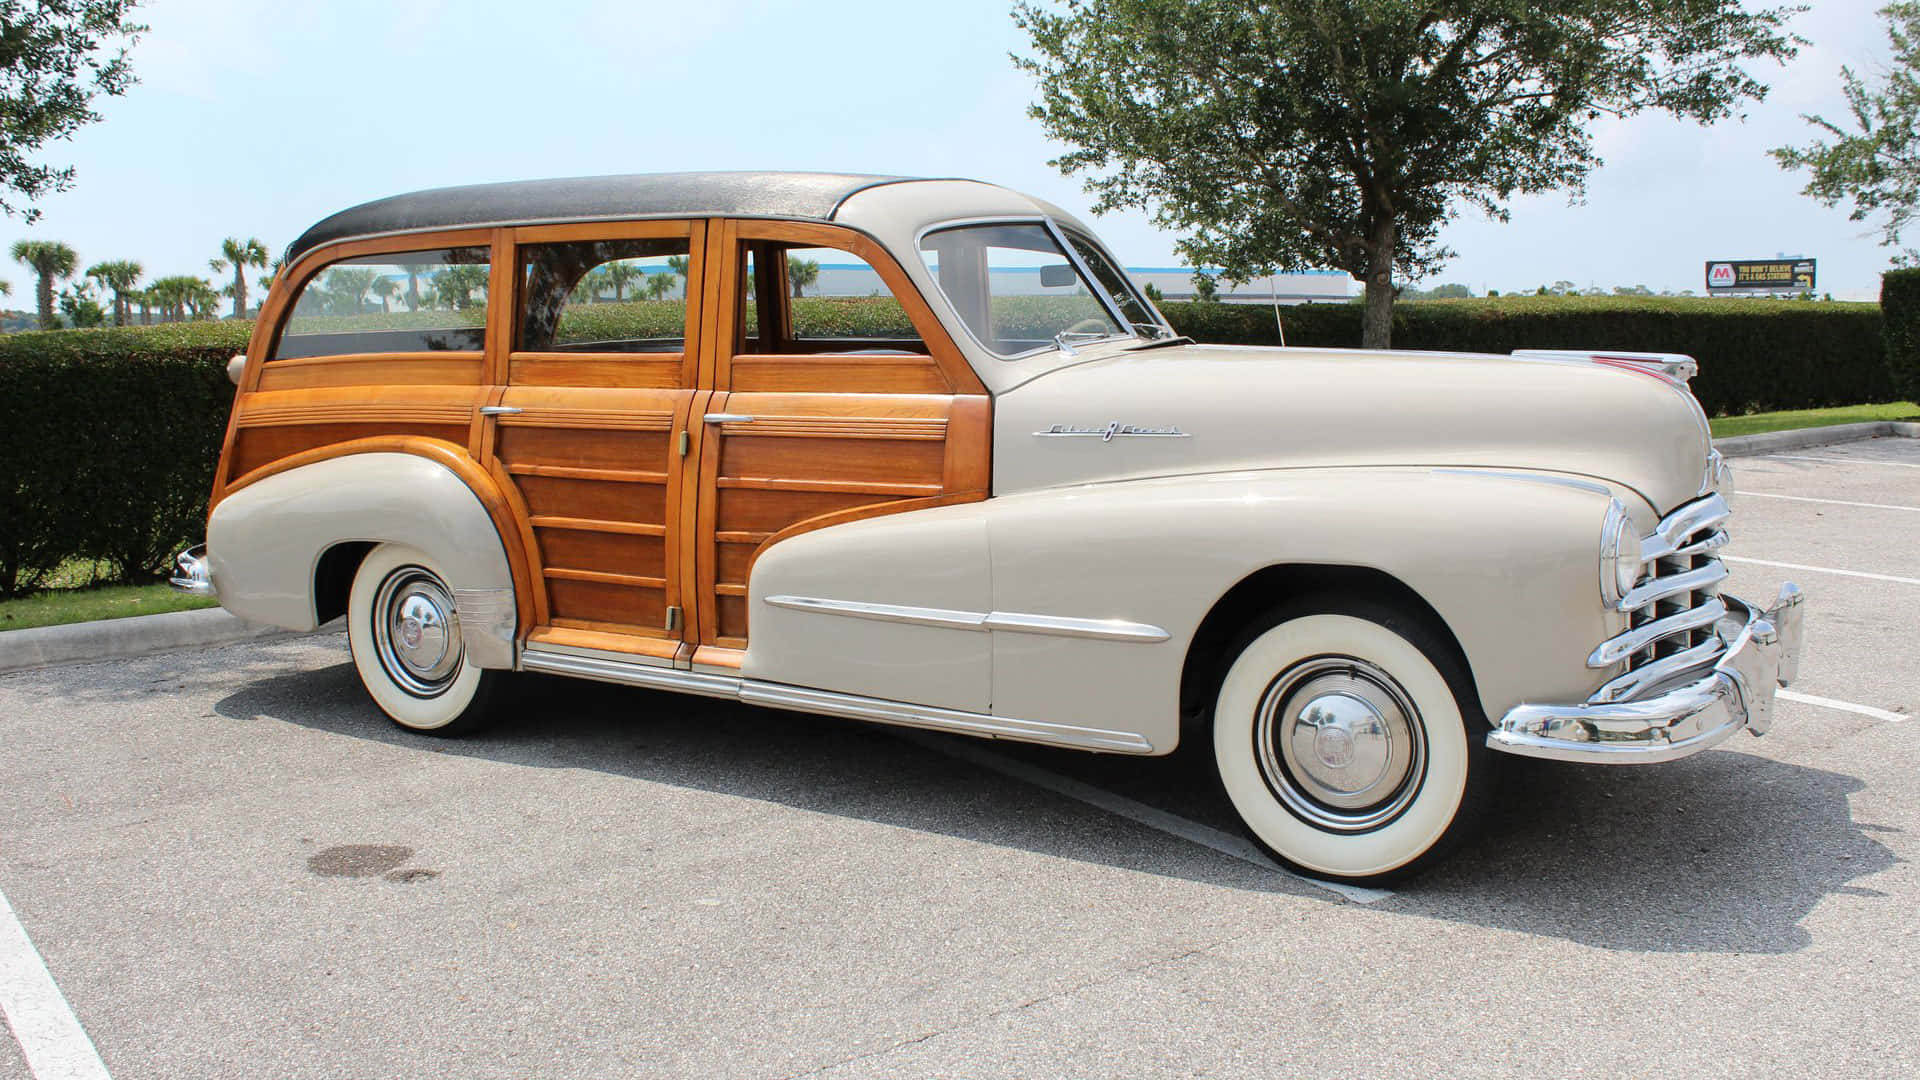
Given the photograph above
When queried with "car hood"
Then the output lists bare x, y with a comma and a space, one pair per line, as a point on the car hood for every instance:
1220, 408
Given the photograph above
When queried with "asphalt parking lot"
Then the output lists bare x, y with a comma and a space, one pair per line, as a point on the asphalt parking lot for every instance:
232, 865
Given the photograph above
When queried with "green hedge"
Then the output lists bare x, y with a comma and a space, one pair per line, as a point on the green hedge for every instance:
1755, 355
1900, 300
109, 446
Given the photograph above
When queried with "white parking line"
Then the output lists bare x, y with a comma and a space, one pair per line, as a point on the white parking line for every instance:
55, 1045
1821, 569
1828, 502
1152, 817
1842, 461
1888, 715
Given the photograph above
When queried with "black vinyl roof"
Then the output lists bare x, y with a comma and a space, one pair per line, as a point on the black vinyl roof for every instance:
738, 194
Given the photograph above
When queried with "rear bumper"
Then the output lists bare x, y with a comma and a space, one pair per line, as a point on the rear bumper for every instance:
190, 573
1763, 654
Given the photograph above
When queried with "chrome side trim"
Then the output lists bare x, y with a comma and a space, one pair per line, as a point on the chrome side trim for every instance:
1016, 622
779, 696
1619, 647
917, 616
628, 674
500, 410
853, 706
727, 418
1060, 626
488, 620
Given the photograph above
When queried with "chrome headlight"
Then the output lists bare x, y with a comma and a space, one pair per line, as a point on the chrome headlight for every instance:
1620, 563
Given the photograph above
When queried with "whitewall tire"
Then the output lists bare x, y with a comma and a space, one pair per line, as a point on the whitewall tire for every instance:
405, 637
1344, 745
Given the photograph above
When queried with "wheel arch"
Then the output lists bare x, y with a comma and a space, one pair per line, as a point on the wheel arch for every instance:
284, 544
1261, 591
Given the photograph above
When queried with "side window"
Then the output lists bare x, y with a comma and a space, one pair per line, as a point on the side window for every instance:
819, 300
604, 296
836, 296
403, 302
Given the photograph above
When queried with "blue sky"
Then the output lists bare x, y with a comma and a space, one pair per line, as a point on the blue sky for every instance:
257, 118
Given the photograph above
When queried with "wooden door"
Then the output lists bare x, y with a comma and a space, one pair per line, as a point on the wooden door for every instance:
586, 428
825, 409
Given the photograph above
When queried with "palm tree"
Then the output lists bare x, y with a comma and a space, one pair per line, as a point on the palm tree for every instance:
50, 260
801, 273
120, 275
618, 274
348, 285
659, 285
678, 264
240, 254
386, 289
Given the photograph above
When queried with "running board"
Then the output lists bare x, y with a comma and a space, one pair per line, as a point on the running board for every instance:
852, 706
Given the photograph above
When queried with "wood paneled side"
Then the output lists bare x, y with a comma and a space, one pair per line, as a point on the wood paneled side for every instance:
828, 373
374, 369
594, 467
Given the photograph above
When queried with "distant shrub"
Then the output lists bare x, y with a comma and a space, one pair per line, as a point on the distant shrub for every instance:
1900, 303
1755, 355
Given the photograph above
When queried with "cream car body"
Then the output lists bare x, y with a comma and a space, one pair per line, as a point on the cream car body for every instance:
1150, 498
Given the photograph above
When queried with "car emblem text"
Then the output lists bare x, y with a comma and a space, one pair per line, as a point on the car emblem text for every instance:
1110, 431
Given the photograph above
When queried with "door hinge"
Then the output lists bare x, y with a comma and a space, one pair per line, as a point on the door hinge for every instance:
673, 617
686, 442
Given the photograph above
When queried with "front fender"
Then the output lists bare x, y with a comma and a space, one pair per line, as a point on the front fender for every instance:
1508, 560
265, 541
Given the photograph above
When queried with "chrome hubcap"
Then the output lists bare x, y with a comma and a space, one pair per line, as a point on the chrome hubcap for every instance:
1340, 744
416, 631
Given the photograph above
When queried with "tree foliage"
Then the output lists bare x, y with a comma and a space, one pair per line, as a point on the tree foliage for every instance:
1346, 133
56, 56
1876, 167
50, 261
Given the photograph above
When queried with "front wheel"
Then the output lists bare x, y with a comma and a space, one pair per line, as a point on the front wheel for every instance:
405, 636
1348, 739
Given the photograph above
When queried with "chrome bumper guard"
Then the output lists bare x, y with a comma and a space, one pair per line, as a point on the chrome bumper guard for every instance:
1762, 654
190, 574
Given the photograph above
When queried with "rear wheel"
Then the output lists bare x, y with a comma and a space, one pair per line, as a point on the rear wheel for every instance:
405, 636
1348, 739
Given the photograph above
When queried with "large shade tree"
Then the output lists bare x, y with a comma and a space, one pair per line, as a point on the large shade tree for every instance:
1346, 133
56, 57
50, 262
1874, 164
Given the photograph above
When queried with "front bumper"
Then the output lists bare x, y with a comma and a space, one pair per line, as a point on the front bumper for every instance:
190, 574
1763, 653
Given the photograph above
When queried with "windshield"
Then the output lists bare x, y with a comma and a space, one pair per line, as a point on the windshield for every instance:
1017, 291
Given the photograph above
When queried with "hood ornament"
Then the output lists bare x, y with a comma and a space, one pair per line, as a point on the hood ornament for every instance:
1110, 432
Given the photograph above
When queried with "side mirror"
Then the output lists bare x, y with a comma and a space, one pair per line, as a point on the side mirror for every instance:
1057, 275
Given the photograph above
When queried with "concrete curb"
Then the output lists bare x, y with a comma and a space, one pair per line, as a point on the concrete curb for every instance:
1768, 442
44, 646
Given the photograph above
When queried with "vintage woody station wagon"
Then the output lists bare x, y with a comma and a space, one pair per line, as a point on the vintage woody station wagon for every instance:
599, 428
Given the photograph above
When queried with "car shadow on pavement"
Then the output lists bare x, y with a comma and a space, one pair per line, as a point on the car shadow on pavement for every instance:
1722, 852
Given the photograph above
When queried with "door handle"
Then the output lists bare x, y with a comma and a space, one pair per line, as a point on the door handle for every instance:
727, 418
499, 410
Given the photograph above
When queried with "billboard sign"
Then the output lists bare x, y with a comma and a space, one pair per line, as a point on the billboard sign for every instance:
1734, 276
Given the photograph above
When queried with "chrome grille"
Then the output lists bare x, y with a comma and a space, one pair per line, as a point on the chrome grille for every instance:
1672, 610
